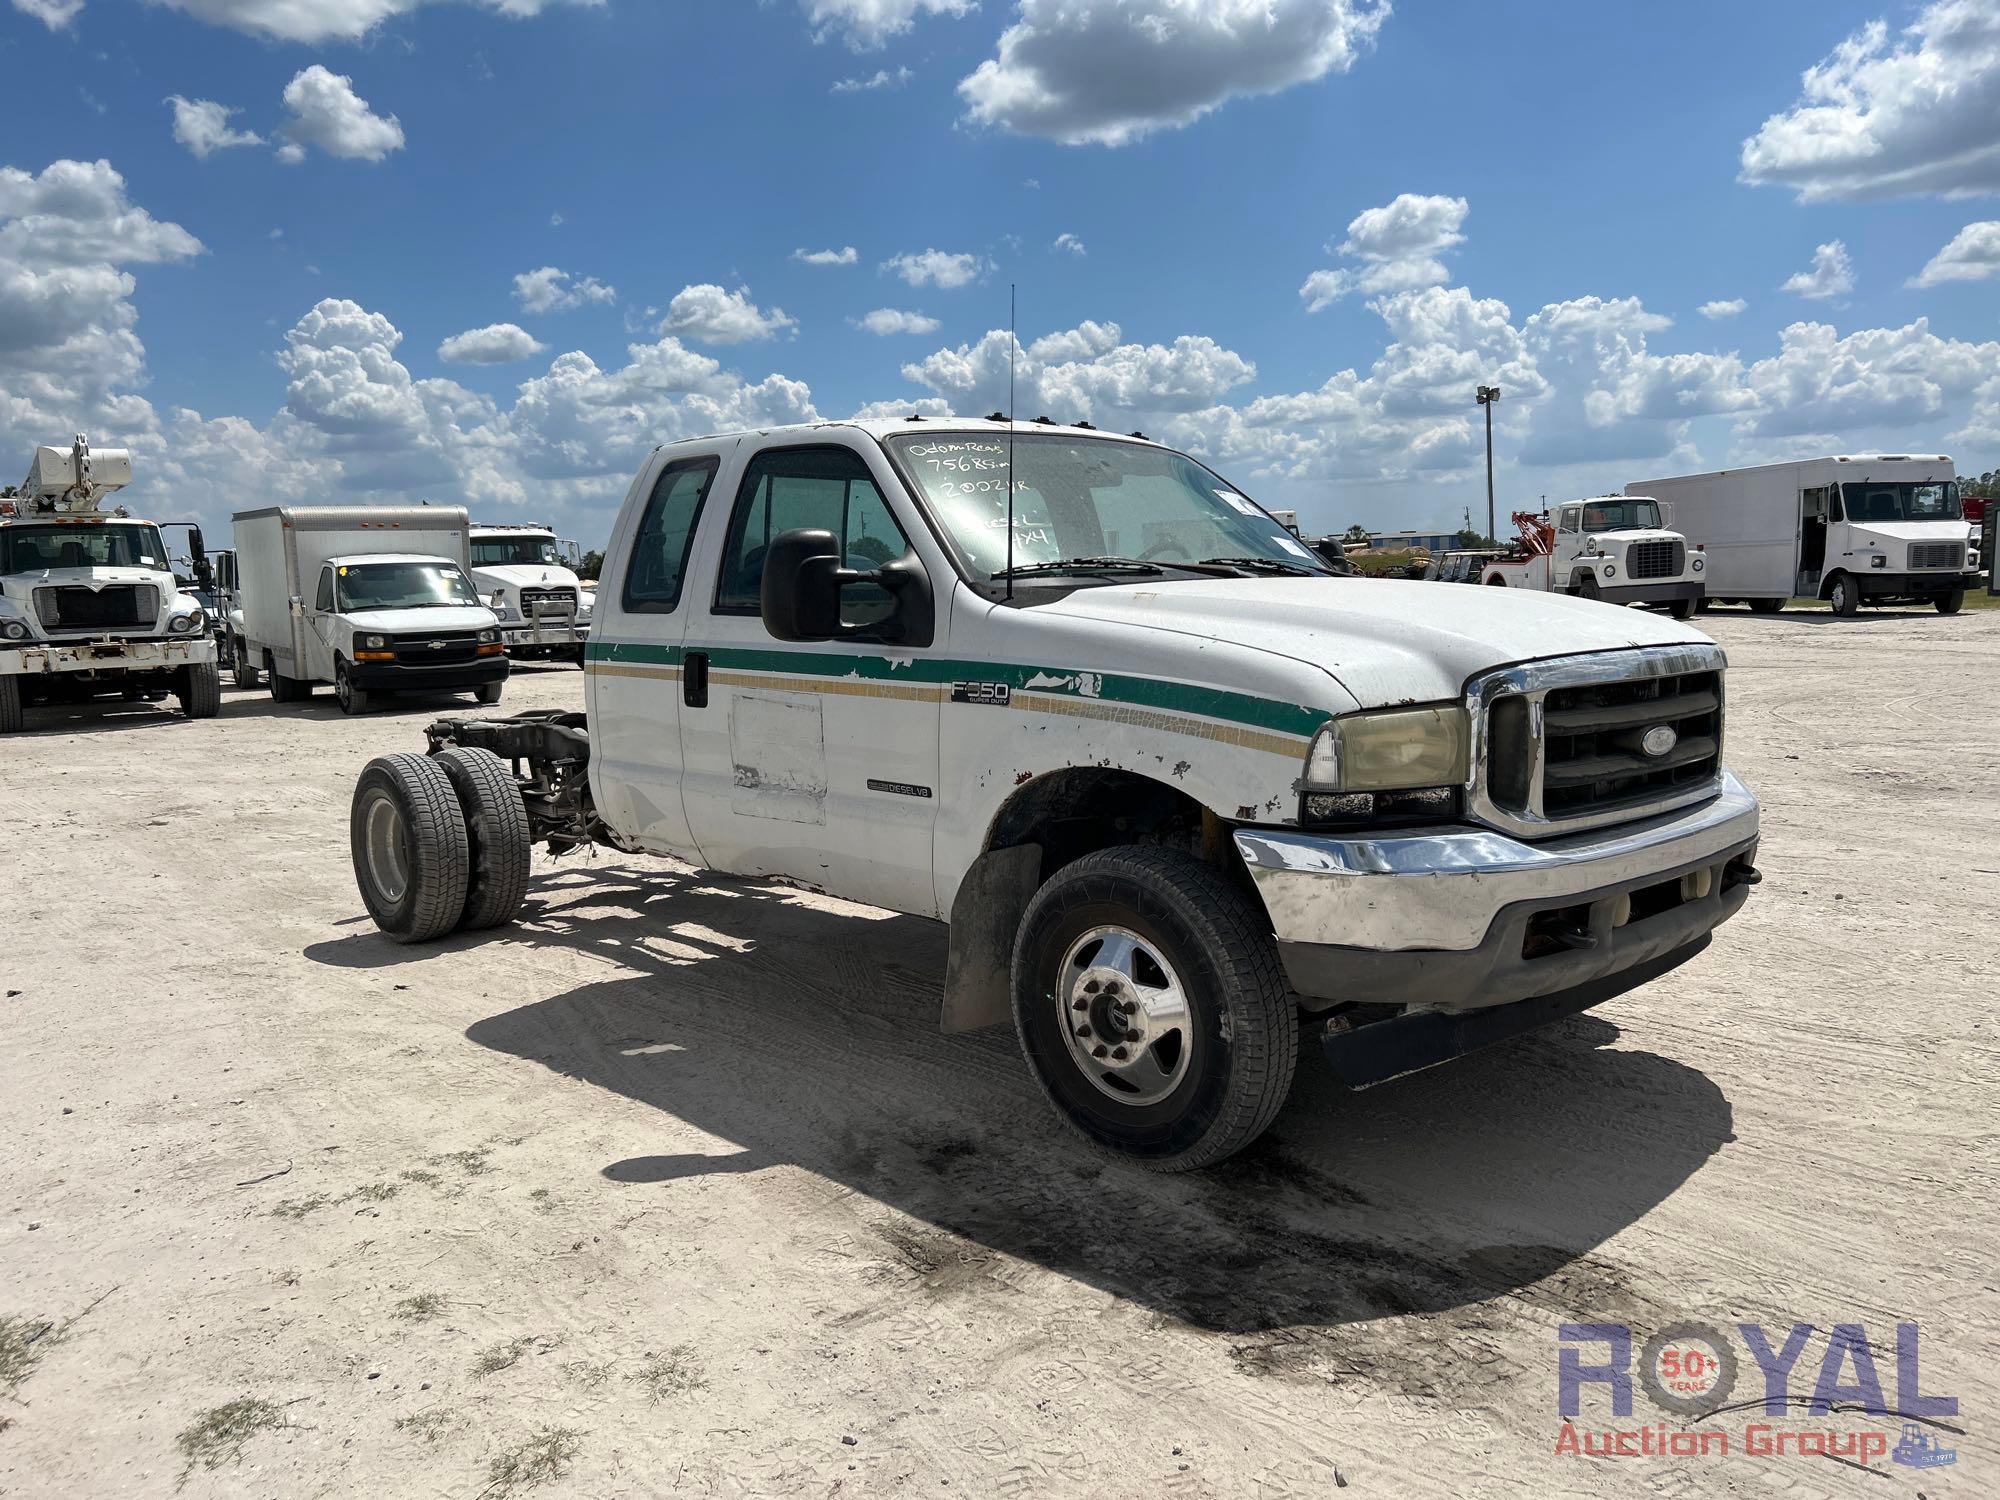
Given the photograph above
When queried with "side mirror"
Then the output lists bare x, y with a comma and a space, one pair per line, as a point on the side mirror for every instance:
803, 581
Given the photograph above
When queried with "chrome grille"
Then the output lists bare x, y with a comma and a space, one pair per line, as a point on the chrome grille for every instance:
118, 606
548, 602
1937, 555
447, 648
1655, 559
1558, 746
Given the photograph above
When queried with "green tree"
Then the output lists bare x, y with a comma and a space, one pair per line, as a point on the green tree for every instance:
592, 565
1356, 533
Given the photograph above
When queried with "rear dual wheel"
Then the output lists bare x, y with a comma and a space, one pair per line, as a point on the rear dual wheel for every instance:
439, 843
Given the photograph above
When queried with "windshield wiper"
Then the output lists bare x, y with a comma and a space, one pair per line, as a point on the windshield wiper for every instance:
1265, 565
1084, 565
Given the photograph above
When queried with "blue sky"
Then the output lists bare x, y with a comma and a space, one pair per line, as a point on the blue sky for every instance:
1540, 196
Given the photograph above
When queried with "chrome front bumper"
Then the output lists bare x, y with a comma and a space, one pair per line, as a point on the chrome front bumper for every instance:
37, 658
1443, 890
551, 633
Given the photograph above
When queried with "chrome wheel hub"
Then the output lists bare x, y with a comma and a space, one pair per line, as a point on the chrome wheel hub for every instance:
1125, 1016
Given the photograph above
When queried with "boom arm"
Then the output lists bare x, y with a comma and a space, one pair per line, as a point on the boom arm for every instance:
73, 482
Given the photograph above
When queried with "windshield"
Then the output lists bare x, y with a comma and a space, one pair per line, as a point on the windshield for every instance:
515, 552
1092, 498
1621, 515
30, 549
1901, 502
403, 585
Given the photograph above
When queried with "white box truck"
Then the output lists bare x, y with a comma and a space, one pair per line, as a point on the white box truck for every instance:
1884, 528
373, 599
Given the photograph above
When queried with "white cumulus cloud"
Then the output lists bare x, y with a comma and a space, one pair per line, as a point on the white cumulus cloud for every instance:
939, 268
203, 126
1108, 72
1718, 310
709, 314
885, 321
550, 290
1883, 118
847, 255
1070, 243
54, 14
327, 113
297, 20
495, 344
1832, 274
867, 24
881, 78
1972, 255
1396, 248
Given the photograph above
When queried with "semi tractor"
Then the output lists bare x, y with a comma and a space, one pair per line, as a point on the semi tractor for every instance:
373, 599
527, 576
1616, 548
1883, 528
89, 604
1185, 799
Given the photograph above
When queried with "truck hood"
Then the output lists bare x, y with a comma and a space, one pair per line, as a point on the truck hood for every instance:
1385, 642
1913, 531
1631, 534
423, 621
520, 575
94, 578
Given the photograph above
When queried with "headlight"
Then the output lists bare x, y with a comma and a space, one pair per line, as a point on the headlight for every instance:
196, 619
488, 637
1698, 565
1389, 751
1878, 561
376, 642
179, 624
15, 630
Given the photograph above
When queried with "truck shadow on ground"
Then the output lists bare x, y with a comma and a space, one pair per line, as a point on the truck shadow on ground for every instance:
810, 1039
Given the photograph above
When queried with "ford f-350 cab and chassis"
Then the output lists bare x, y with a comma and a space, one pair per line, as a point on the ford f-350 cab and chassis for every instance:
1180, 794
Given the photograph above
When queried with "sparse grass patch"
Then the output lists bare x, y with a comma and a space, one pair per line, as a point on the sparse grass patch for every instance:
298, 1208
429, 1426
506, 1356
419, 1175
217, 1437
543, 1200
421, 1308
589, 1374
674, 1373
472, 1163
24, 1341
377, 1192
542, 1459
287, 1278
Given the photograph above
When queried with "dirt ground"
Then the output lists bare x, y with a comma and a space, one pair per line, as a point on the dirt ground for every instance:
675, 1189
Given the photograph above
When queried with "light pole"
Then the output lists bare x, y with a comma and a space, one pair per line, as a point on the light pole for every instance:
1487, 396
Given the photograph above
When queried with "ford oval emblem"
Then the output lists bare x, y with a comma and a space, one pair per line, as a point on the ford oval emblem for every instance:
1658, 740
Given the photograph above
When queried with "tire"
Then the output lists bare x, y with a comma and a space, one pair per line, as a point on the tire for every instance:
489, 692
352, 700
244, 674
1704, 604
410, 848
1949, 604
288, 689
1681, 609
1202, 1099
1766, 606
1586, 586
1844, 596
13, 717
496, 822
198, 686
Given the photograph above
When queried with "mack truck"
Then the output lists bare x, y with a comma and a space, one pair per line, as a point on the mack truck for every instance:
1616, 548
1185, 799
527, 576
89, 604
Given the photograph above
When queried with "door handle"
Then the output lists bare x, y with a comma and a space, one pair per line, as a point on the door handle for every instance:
694, 679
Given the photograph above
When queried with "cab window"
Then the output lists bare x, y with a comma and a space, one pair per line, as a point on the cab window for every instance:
324, 603
1568, 518
819, 489
666, 531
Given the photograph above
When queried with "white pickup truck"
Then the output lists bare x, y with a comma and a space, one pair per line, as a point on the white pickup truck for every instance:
1183, 796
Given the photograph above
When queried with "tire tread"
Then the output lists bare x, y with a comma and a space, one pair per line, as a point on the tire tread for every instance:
440, 857
496, 820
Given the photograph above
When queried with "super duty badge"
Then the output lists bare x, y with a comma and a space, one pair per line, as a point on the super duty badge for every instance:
992, 694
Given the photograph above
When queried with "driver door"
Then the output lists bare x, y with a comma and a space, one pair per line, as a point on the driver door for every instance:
813, 760
320, 628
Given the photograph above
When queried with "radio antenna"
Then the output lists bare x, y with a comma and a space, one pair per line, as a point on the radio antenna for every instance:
1013, 344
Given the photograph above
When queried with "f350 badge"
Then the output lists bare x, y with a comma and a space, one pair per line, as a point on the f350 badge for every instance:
992, 694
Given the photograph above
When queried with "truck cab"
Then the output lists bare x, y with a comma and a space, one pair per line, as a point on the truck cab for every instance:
527, 576
1618, 548
89, 602
1184, 798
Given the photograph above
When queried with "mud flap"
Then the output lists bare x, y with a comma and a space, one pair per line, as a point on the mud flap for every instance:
985, 915
1376, 1053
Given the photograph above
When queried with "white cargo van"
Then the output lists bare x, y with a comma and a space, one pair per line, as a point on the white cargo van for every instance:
1883, 528
373, 599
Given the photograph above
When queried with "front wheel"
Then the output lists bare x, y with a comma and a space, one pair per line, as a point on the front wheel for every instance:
1950, 604
1845, 597
1681, 609
13, 718
198, 686
352, 699
1766, 606
489, 692
1151, 1007
1587, 586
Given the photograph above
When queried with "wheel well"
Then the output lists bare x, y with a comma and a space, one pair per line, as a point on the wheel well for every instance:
1826, 582
1079, 809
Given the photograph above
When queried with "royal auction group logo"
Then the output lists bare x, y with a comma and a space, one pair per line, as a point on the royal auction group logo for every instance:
1755, 1403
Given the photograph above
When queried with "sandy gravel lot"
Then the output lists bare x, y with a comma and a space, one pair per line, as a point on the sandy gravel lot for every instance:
674, 1189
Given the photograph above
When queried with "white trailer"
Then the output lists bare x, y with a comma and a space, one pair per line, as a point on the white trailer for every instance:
373, 599
1883, 528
